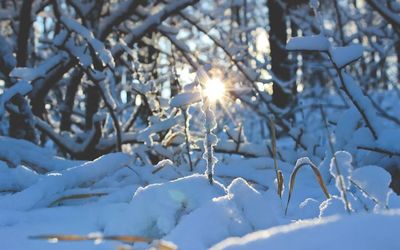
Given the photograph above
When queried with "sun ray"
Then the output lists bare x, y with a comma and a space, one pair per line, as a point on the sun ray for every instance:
214, 89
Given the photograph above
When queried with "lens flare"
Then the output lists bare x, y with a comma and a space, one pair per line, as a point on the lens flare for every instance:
214, 89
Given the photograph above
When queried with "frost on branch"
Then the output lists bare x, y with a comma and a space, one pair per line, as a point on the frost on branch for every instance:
210, 141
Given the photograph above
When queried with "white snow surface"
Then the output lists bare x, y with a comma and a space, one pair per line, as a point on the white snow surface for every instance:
114, 196
361, 231
374, 181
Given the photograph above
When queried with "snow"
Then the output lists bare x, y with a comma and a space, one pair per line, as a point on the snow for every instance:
194, 173
184, 99
369, 232
104, 54
6, 54
341, 166
362, 103
166, 202
231, 214
310, 43
169, 202
147, 134
17, 178
343, 56
374, 181
21, 87
51, 186
30, 74
27, 153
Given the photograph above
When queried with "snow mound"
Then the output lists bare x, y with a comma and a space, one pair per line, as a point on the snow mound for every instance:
235, 214
374, 181
156, 209
369, 231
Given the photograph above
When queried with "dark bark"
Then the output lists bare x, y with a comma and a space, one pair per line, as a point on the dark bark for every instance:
70, 94
279, 55
38, 96
397, 46
24, 30
92, 105
21, 124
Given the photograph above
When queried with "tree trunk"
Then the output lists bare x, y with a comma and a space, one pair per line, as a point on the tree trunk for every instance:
279, 55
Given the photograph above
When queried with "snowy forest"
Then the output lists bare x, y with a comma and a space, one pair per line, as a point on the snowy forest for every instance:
199, 124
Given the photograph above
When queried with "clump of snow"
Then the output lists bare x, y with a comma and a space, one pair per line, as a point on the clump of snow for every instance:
309, 43
253, 204
185, 98
389, 139
347, 124
309, 208
374, 181
169, 202
235, 214
16, 179
331, 206
21, 87
314, 4
343, 56
341, 162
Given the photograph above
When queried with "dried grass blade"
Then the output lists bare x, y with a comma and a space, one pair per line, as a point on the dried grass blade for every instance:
76, 196
293, 179
279, 175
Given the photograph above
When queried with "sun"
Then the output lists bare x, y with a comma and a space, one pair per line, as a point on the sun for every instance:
214, 89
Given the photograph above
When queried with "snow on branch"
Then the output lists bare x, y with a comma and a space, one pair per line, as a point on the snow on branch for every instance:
104, 54
340, 57
30, 74
119, 14
362, 103
152, 21
343, 56
22, 87
7, 59
309, 43
391, 17
20, 152
54, 184
185, 99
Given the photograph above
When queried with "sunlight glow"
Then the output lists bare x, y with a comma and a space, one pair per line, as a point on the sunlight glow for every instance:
262, 42
214, 89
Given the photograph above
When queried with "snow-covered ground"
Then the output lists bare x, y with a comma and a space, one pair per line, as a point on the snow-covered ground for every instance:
361, 231
113, 195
